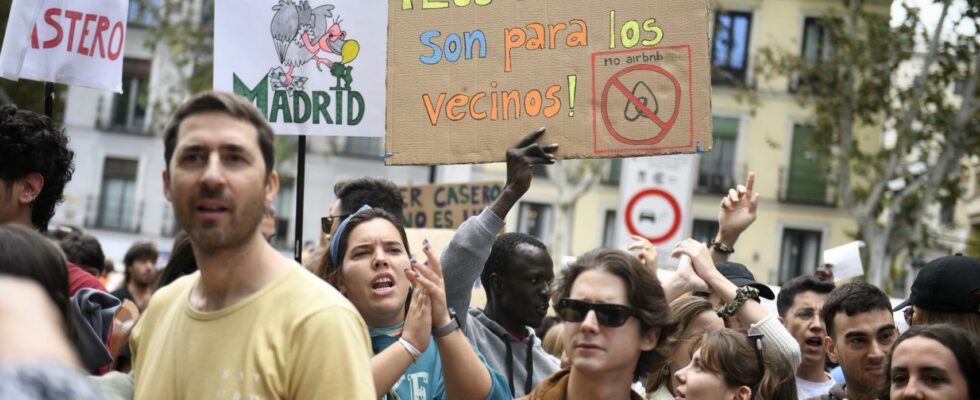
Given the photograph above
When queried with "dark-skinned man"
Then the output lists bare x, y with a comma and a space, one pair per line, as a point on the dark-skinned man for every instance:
517, 276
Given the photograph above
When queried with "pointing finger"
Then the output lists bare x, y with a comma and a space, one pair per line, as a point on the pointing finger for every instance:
530, 138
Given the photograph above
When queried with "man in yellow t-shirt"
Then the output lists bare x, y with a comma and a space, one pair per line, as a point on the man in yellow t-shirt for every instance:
251, 324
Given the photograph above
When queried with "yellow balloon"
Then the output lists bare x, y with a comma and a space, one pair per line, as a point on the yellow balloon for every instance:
349, 51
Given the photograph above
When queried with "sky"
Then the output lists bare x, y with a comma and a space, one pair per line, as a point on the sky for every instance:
930, 12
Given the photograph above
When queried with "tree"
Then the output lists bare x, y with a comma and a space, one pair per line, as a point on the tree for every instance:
572, 179
890, 190
181, 34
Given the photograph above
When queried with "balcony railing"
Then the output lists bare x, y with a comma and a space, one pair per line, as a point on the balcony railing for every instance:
112, 219
805, 188
714, 181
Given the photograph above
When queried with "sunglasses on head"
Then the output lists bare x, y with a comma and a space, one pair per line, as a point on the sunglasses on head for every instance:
326, 223
611, 315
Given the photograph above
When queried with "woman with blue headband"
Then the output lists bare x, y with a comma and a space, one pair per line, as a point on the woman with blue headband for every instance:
419, 350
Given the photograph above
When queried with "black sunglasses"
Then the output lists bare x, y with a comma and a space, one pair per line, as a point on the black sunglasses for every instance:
611, 315
326, 223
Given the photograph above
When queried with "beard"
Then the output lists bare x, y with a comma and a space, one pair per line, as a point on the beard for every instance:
210, 236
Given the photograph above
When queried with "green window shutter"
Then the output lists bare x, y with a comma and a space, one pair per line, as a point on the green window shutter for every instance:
615, 170
806, 181
724, 128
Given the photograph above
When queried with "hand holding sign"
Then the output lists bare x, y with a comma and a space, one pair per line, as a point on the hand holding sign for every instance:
522, 158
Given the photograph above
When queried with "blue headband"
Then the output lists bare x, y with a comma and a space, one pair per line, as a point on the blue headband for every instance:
335, 240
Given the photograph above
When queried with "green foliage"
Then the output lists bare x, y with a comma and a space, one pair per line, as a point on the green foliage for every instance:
185, 29
858, 86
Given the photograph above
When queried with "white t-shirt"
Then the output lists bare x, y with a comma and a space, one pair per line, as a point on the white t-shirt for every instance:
806, 389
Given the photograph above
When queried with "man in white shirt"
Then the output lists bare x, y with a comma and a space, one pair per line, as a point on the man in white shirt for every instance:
799, 303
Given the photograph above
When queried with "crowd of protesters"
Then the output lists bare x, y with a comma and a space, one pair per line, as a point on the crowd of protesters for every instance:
229, 317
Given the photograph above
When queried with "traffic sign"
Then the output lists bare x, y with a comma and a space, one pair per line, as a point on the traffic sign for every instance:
655, 201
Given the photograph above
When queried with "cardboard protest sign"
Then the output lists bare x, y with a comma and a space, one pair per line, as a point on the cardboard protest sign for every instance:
446, 206
76, 43
614, 78
312, 67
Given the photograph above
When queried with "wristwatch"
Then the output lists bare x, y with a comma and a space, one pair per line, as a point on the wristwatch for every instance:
449, 327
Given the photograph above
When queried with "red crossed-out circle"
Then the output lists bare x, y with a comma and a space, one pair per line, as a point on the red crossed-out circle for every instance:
676, 207
664, 126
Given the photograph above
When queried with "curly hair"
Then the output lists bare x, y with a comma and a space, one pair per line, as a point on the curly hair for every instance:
645, 295
31, 143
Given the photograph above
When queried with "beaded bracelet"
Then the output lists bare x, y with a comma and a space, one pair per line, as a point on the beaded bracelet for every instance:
742, 295
412, 351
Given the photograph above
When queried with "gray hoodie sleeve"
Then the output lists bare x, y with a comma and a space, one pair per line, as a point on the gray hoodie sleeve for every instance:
463, 259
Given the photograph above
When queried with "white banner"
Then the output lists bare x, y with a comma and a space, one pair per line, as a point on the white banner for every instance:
655, 201
313, 67
72, 42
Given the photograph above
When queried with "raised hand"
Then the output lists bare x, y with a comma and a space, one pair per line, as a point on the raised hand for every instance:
430, 278
705, 268
522, 158
700, 256
738, 210
690, 279
647, 254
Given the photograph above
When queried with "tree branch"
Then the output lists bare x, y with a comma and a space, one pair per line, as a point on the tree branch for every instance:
920, 80
847, 118
970, 105
878, 188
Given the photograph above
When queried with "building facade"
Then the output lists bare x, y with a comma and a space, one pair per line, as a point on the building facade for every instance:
117, 194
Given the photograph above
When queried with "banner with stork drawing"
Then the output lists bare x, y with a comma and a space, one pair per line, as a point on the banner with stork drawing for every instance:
312, 67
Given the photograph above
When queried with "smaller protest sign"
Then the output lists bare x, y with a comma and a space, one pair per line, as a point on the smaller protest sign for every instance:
311, 67
76, 43
446, 206
845, 260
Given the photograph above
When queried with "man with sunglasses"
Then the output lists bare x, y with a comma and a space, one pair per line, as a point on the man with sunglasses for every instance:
516, 271
606, 314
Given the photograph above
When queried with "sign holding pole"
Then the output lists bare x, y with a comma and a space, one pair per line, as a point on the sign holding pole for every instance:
614, 78
655, 201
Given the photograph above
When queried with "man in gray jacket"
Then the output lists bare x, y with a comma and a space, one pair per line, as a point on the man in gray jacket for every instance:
519, 272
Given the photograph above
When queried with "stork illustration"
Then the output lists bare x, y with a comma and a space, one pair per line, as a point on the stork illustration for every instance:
300, 33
